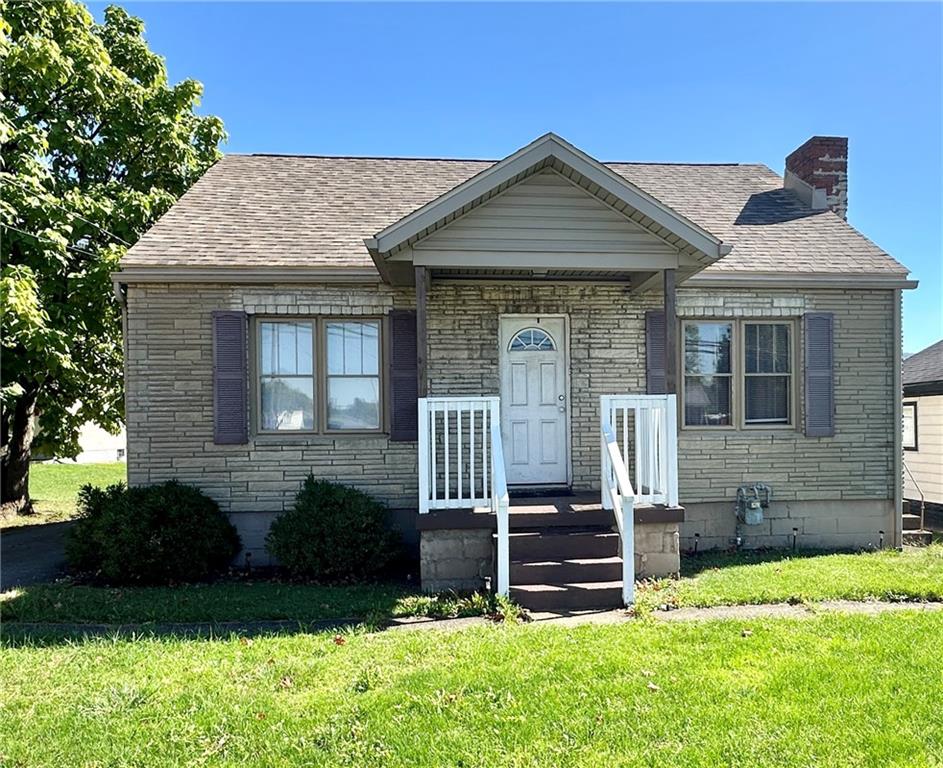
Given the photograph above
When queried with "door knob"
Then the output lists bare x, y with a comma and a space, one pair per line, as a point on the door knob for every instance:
561, 398
562, 409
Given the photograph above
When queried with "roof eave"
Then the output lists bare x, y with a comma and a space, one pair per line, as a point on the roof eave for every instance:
801, 280
242, 274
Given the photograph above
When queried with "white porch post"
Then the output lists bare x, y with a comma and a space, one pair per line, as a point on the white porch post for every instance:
671, 438
423, 421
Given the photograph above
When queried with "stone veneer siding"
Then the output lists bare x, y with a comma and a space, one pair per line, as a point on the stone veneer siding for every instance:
819, 483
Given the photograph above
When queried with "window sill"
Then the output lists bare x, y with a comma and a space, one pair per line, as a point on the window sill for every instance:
313, 438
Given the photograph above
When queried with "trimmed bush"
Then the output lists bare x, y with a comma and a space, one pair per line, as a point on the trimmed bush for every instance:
332, 534
158, 534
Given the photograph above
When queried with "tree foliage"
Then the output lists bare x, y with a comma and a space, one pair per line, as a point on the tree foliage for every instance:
96, 145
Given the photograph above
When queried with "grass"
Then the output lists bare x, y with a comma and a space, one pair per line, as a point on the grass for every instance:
707, 580
234, 601
54, 488
831, 690
784, 577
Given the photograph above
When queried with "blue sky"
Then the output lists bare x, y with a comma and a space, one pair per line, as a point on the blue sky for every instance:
672, 82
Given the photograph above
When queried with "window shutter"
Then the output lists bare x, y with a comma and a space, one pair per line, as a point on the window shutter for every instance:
404, 385
819, 374
230, 379
655, 352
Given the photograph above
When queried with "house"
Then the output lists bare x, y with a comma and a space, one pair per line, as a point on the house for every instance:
923, 437
539, 363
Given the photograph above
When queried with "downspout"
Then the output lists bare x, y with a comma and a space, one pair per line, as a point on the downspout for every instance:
898, 423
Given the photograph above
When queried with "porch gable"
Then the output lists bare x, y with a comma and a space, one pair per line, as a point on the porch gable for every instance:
546, 187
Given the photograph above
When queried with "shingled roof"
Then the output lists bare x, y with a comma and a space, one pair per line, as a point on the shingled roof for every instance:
301, 211
924, 367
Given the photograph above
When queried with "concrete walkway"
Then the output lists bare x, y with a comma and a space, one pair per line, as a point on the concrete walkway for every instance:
32, 554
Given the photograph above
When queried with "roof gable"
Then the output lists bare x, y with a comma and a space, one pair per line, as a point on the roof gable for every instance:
544, 221
549, 151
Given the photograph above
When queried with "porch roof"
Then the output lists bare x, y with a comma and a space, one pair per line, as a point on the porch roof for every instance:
549, 152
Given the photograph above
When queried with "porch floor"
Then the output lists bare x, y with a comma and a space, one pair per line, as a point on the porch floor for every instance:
579, 509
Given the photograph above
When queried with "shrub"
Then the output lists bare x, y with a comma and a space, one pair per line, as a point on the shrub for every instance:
159, 534
333, 534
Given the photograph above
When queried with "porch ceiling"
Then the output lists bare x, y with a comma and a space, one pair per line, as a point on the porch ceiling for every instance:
651, 237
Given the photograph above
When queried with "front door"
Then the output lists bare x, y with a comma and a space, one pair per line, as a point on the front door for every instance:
534, 399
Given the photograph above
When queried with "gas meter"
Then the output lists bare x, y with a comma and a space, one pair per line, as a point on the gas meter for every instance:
751, 501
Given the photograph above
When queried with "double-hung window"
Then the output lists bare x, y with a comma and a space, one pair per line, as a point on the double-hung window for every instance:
767, 373
737, 373
318, 375
286, 375
708, 374
353, 375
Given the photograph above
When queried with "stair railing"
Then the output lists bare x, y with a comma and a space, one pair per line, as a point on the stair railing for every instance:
648, 425
622, 502
500, 502
923, 498
461, 464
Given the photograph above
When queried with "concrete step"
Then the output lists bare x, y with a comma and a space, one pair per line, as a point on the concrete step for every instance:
563, 544
911, 522
573, 597
918, 538
576, 570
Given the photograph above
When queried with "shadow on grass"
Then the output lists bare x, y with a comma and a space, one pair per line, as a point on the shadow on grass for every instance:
32, 635
66, 612
693, 564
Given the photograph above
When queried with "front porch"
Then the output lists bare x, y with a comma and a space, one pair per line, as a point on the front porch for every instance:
545, 359
560, 550
565, 551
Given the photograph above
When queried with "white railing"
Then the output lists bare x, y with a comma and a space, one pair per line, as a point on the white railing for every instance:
622, 502
648, 425
461, 463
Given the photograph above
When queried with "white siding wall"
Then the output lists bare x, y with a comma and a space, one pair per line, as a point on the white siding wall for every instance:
926, 463
545, 214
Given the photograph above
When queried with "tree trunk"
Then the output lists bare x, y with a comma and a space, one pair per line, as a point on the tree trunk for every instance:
18, 443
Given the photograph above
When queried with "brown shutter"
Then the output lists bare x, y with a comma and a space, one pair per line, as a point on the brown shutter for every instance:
655, 352
230, 379
404, 384
819, 374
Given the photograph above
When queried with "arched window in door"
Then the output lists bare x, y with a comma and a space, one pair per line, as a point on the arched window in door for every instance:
532, 340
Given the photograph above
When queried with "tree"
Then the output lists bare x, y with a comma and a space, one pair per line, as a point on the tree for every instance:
96, 146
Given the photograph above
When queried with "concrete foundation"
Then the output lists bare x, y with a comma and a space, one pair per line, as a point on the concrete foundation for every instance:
657, 550
846, 524
460, 559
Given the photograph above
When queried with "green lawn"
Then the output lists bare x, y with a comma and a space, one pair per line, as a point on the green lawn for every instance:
831, 691
778, 577
54, 487
713, 579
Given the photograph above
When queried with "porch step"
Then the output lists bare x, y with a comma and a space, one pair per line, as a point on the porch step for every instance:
911, 522
537, 517
563, 544
566, 567
918, 538
568, 596
576, 570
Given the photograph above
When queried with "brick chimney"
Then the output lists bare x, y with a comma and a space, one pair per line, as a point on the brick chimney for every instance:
818, 173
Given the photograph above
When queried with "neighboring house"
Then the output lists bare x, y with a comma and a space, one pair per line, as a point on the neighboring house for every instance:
99, 446
287, 314
923, 432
